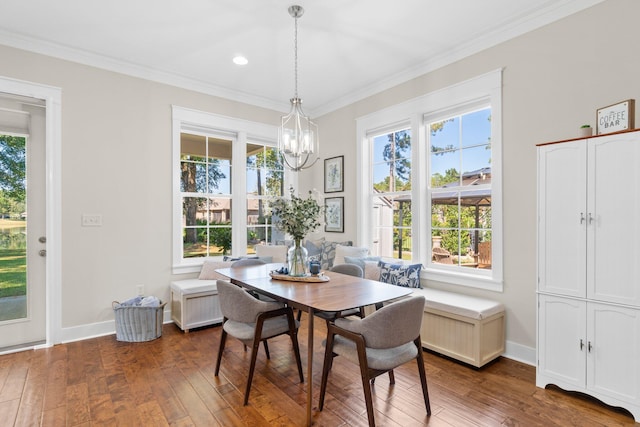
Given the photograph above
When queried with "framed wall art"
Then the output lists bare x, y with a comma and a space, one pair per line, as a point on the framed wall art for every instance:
334, 214
333, 174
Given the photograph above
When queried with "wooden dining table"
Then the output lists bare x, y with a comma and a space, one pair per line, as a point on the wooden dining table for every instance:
341, 292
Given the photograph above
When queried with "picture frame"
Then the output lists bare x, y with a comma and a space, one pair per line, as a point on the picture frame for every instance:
615, 118
334, 174
334, 214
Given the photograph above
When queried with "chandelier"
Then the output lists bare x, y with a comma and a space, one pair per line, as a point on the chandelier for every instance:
298, 135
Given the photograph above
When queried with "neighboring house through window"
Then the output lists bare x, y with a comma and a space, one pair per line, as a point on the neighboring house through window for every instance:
430, 182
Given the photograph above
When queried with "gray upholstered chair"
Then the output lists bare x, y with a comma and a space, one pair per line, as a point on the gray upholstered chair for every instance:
247, 262
351, 270
252, 321
379, 343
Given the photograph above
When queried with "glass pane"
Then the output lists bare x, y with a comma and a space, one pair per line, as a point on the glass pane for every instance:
445, 168
13, 227
193, 146
444, 210
445, 135
381, 174
476, 128
379, 145
194, 242
402, 175
193, 211
219, 211
476, 159
402, 145
219, 177
219, 240
193, 177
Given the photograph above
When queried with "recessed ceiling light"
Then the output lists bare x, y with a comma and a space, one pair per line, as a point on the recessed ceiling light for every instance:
240, 60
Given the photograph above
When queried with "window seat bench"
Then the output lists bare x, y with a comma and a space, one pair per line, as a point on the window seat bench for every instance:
463, 327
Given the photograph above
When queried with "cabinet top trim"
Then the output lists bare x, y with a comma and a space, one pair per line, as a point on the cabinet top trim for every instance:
583, 138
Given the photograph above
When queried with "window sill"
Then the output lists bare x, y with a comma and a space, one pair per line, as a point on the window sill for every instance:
488, 283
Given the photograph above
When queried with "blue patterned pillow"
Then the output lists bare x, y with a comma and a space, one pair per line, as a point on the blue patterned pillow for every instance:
407, 276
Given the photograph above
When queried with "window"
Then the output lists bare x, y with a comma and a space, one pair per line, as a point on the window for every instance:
391, 194
459, 189
205, 186
429, 189
265, 180
226, 171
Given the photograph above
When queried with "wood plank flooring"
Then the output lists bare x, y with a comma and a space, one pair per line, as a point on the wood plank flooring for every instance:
170, 382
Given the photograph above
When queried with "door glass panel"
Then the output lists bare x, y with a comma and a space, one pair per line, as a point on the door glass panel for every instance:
13, 227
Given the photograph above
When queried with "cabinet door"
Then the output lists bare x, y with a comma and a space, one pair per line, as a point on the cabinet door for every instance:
562, 186
613, 337
561, 341
613, 230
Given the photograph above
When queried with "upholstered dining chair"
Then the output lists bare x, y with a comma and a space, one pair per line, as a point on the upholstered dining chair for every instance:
379, 343
247, 262
252, 321
351, 270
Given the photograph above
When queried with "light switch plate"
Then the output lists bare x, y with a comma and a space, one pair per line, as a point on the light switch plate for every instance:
91, 220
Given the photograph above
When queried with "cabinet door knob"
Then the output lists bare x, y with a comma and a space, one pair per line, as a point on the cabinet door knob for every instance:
589, 347
581, 217
581, 345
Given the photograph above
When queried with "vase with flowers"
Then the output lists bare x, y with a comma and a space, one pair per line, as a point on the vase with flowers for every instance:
297, 217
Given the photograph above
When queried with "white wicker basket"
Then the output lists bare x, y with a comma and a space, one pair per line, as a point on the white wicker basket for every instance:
137, 324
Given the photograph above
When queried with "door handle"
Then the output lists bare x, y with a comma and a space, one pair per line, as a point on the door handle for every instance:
42, 252
42, 239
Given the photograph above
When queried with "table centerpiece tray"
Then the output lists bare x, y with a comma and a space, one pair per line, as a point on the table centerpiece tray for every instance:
307, 278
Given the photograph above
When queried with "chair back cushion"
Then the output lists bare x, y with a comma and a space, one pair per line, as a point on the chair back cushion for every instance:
350, 269
247, 262
238, 305
393, 325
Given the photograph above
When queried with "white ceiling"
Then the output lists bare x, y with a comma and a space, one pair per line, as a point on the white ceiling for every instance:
347, 49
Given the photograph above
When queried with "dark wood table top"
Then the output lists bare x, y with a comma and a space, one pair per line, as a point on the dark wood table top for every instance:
340, 293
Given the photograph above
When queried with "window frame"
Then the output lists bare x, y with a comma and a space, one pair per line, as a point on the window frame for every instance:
241, 132
487, 89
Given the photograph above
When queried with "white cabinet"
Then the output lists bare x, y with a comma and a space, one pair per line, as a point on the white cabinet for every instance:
589, 268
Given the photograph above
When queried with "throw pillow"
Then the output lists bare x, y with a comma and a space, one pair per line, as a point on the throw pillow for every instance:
361, 261
407, 276
208, 271
371, 270
329, 253
351, 251
314, 248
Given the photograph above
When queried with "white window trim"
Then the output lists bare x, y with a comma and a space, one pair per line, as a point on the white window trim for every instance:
241, 132
487, 86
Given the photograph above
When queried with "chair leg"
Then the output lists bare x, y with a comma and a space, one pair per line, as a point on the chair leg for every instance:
293, 333
266, 349
299, 315
423, 376
392, 378
254, 354
223, 340
326, 367
364, 373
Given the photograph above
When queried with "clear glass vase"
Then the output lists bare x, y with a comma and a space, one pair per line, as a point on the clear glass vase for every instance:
297, 259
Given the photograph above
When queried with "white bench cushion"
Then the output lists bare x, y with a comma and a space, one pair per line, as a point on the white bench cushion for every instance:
462, 305
194, 286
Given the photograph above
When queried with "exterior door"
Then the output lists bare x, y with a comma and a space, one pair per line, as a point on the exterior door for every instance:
22, 222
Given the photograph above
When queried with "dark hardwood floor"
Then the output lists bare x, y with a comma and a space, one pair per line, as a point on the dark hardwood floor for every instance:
169, 381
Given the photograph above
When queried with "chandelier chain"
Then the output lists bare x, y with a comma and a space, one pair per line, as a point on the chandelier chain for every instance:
295, 56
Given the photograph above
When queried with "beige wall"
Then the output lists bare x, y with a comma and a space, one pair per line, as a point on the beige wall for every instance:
116, 152
554, 79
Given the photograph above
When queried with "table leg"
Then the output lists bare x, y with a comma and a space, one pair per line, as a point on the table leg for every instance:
310, 367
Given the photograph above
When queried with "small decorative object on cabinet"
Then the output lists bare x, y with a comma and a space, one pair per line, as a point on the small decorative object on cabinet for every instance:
585, 131
588, 279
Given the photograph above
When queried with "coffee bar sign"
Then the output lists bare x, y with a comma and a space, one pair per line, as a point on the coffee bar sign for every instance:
616, 117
